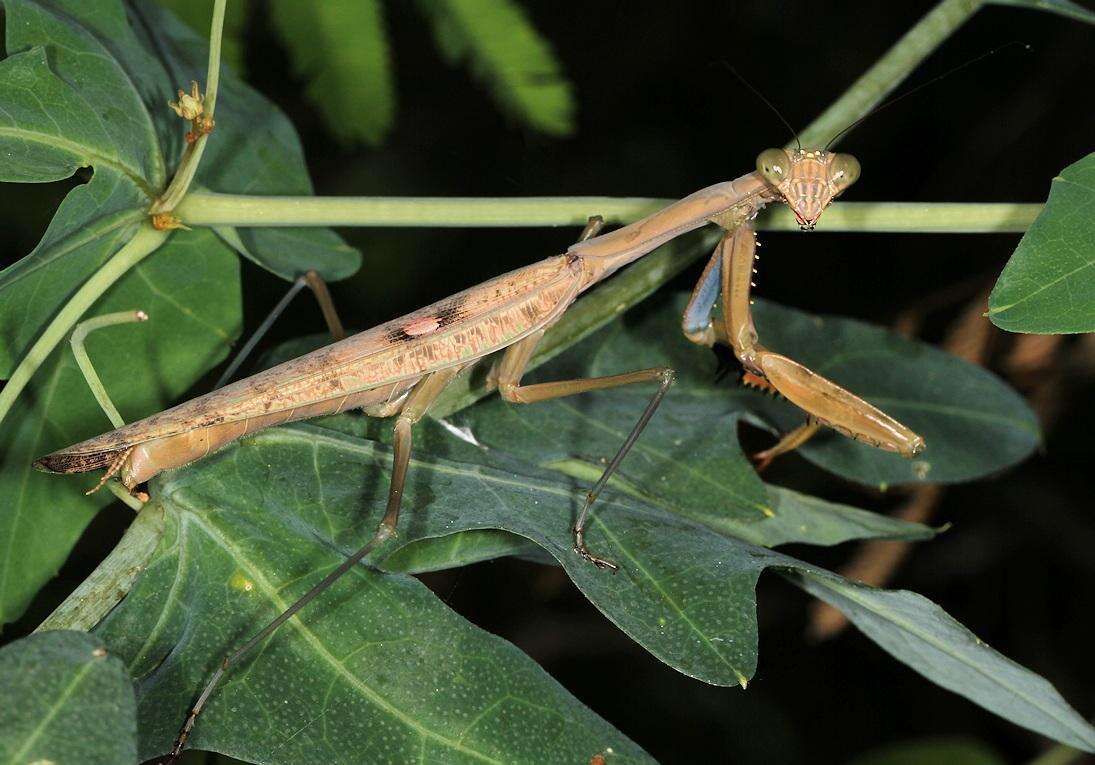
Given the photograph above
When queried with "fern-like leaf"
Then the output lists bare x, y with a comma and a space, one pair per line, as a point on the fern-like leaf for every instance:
341, 46
504, 49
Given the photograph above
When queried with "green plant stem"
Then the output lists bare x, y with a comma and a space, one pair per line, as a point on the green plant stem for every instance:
888, 72
83, 329
238, 210
112, 578
143, 243
192, 156
123, 494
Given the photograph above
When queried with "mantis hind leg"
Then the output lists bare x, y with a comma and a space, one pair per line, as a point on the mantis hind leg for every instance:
415, 407
313, 281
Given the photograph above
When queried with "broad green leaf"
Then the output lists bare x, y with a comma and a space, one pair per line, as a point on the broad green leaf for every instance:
379, 671
66, 700
82, 87
973, 423
503, 48
252, 526
191, 294
67, 102
1065, 8
953, 750
254, 150
1048, 286
341, 48
922, 635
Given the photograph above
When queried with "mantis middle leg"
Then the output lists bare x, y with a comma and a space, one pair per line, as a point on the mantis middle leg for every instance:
313, 281
511, 369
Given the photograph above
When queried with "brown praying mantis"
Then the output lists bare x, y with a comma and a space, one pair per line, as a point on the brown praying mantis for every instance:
399, 368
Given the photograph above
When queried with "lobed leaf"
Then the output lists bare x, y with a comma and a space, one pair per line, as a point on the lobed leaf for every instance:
1048, 285
86, 85
379, 670
68, 700
251, 527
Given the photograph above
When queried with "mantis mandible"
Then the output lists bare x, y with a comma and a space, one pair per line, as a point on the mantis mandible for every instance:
399, 368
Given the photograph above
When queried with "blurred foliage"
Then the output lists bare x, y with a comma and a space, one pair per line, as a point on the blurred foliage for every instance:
341, 49
931, 751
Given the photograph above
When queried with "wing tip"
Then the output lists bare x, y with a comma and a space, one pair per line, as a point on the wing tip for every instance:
66, 462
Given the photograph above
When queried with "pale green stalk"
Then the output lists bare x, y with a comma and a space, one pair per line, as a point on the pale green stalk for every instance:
83, 329
112, 578
123, 494
239, 210
143, 243
888, 72
192, 156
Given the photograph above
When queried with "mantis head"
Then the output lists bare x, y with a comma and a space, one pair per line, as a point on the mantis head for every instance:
808, 181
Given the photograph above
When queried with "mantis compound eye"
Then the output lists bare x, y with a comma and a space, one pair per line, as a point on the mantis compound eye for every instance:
774, 165
844, 171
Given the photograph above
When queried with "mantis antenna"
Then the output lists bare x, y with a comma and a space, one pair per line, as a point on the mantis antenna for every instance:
767, 103
920, 87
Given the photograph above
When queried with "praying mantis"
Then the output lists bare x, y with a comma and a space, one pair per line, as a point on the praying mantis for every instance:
400, 368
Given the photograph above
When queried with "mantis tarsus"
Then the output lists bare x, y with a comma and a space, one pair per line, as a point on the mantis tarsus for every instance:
399, 368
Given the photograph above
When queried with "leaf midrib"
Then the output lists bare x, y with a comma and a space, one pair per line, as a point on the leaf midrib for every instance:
270, 592
900, 623
47, 719
85, 157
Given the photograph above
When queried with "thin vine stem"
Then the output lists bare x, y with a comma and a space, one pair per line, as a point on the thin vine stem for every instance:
146, 241
889, 71
112, 578
238, 210
192, 156
79, 335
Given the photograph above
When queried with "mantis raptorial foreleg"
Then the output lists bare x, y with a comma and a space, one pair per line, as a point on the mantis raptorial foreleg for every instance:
825, 401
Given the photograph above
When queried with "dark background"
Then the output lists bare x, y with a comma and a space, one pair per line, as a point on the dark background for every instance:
659, 115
